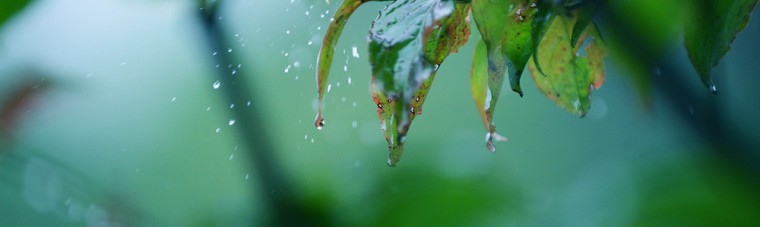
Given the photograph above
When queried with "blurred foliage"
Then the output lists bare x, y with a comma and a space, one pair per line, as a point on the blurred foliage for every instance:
130, 138
10, 8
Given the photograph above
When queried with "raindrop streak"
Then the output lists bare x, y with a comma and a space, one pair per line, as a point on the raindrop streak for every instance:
231, 122
354, 52
216, 84
349, 80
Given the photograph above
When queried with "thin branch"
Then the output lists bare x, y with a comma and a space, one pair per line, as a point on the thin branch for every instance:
280, 199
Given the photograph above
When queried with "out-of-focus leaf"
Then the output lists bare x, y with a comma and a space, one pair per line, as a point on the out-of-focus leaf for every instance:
408, 41
482, 94
506, 28
656, 24
324, 61
10, 8
711, 30
571, 73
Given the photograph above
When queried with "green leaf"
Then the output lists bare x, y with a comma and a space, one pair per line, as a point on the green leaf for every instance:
571, 72
711, 30
506, 28
584, 17
10, 8
481, 92
324, 61
541, 22
408, 41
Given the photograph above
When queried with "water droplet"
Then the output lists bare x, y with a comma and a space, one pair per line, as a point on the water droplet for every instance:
123, 63
312, 140
319, 122
357, 163
297, 64
287, 32
349, 80
231, 122
234, 72
208, 108
343, 99
353, 104
329, 87
287, 69
232, 106
229, 50
713, 89
309, 43
248, 103
215, 53
337, 84
354, 52
218, 130
232, 156
354, 124
216, 84
246, 176
345, 68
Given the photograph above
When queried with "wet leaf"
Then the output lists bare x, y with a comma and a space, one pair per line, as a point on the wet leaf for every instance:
541, 22
324, 61
481, 92
506, 28
571, 73
584, 17
408, 41
711, 30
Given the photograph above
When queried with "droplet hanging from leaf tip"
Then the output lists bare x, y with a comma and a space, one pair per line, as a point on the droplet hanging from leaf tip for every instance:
713, 88
319, 122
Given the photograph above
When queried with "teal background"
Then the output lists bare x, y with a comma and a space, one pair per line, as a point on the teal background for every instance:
131, 131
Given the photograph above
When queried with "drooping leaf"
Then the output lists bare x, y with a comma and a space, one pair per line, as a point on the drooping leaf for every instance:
541, 22
711, 30
571, 73
506, 28
584, 16
482, 94
408, 41
324, 61
10, 8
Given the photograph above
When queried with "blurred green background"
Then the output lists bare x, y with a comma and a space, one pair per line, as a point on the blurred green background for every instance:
127, 129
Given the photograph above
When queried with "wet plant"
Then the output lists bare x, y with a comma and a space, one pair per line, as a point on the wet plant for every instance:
558, 41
